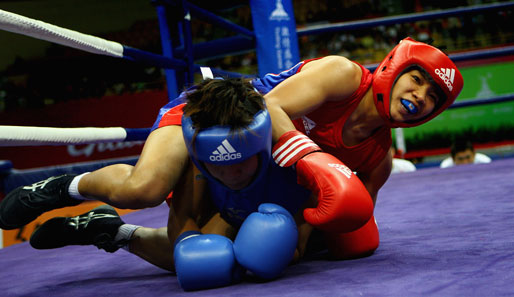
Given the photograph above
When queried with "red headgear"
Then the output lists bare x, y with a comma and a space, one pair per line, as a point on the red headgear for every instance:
408, 53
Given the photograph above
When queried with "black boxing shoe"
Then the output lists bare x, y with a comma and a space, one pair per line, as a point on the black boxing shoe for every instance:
96, 227
24, 204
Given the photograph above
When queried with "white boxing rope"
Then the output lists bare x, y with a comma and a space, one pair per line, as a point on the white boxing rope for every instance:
35, 136
23, 25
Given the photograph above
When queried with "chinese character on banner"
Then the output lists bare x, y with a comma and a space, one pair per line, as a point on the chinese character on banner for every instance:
286, 44
278, 47
285, 31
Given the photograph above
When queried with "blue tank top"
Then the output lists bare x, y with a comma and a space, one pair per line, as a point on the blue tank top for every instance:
270, 80
277, 186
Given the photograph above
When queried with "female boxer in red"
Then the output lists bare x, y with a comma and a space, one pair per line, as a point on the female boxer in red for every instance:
340, 106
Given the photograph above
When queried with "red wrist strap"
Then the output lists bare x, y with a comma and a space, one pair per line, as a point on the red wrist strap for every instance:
291, 147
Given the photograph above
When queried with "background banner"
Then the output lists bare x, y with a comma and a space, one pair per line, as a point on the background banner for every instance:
275, 28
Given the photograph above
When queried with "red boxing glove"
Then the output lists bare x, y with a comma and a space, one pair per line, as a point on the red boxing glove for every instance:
359, 243
344, 204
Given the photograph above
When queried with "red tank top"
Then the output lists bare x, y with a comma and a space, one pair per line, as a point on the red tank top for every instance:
325, 127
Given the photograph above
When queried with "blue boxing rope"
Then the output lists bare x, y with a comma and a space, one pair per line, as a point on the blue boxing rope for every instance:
399, 19
471, 55
474, 102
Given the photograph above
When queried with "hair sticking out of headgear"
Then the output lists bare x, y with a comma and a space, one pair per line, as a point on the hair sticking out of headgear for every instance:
414, 53
222, 129
230, 102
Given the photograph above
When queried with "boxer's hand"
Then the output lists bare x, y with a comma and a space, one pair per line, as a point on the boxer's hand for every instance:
344, 204
266, 242
205, 261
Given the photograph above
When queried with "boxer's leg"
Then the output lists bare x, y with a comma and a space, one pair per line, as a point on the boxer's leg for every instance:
97, 227
23, 204
146, 184
153, 246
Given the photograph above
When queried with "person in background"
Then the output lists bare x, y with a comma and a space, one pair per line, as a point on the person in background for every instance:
463, 152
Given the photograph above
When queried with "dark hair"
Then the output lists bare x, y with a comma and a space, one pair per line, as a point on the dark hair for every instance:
231, 102
460, 145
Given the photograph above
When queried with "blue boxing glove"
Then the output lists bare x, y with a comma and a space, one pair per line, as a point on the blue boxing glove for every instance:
266, 241
205, 261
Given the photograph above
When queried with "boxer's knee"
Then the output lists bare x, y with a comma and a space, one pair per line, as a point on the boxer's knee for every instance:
356, 244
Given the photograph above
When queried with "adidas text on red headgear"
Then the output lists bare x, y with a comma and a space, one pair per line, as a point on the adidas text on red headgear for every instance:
414, 53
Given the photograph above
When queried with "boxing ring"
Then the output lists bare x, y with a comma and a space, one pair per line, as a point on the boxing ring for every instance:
444, 232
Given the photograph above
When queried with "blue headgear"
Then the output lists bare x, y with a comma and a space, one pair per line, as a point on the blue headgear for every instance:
217, 145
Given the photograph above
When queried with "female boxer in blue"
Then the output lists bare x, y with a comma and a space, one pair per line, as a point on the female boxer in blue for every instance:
227, 132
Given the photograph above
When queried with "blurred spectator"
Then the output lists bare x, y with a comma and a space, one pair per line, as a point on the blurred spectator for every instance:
463, 152
401, 165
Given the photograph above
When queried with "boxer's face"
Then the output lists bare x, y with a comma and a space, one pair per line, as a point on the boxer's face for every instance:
236, 176
413, 97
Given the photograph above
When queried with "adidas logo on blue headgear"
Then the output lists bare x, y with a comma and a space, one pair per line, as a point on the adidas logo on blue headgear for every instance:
225, 152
